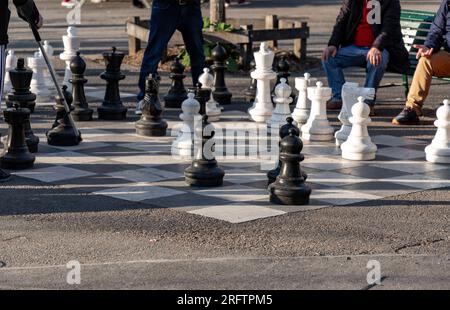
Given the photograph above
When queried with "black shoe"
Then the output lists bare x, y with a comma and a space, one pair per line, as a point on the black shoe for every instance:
139, 4
4, 176
406, 117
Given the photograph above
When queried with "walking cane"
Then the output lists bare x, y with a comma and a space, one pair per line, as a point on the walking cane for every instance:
38, 39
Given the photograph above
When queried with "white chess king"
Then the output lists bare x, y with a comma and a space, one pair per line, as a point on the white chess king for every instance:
71, 43
262, 108
282, 99
38, 84
439, 149
359, 146
303, 106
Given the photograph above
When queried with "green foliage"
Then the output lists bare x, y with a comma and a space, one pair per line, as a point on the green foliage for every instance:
217, 26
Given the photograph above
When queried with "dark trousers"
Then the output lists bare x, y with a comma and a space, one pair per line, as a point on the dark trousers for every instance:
166, 17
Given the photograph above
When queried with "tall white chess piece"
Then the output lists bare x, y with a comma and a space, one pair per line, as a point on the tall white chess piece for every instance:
282, 99
350, 93
262, 108
10, 63
359, 146
303, 106
183, 145
318, 128
71, 43
38, 86
49, 51
439, 149
212, 107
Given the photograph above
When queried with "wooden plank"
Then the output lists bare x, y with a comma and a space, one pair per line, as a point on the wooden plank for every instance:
134, 44
247, 49
217, 11
280, 34
300, 44
272, 23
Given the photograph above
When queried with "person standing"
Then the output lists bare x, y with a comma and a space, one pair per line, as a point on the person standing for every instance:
166, 17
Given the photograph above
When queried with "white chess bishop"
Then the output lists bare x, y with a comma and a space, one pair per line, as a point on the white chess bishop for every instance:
303, 105
183, 145
350, 93
359, 146
49, 51
38, 85
439, 149
213, 109
318, 128
71, 43
11, 61
282, 100
262, 108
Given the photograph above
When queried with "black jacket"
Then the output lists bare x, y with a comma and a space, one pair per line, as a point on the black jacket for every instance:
388, 34
5, 15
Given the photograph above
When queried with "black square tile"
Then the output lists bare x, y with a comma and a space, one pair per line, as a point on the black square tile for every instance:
371, 172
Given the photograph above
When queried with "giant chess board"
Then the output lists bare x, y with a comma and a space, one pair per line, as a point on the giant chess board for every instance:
113, 161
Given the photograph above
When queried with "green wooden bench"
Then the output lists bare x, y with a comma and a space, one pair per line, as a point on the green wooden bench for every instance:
415, 27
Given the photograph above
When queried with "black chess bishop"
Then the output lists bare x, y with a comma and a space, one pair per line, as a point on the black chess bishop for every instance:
81, 111
177, 92
112, 107
220, 93
290, 187
151, 122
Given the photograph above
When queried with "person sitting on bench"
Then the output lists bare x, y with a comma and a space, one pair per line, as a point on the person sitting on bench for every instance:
434, 61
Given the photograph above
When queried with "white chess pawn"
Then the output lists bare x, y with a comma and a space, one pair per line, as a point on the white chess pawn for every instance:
49, 51
262, 108
206, 79
183, 145
350, 94
439, 149
71, 43
38, 86
282, 99
11, 61
359, 146
213, 109
303, 106
318, 128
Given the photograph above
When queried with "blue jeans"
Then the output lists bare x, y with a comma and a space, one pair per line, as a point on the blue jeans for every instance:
353, 56
166, 17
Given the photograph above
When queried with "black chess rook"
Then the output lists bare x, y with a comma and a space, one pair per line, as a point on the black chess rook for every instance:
220, 93
177, 92
81, 111
112, 107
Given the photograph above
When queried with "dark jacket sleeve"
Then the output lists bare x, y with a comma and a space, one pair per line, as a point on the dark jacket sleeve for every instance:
27, 10
435, 38
341, 24
389, 24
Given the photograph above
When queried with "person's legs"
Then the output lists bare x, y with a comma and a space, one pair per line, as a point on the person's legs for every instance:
375, 74
4, 176
349, 56
191, 26
163, 23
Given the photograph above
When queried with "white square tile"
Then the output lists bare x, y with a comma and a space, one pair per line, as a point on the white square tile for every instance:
328, 163
146, 175
87, 132
240, 176
337, 196
330, 178
237, 213
400, 153
84, 145
237, 193
419, 181
139, 192
415, 167
53, 174
149, 146
321, 150
67, 158
394, 141
150, 160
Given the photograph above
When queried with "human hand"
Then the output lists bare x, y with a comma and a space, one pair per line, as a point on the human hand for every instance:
374, 56
423, 51
40, 22
329, 51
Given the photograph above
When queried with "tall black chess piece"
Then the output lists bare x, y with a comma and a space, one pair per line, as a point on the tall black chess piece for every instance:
221, 93
177, 92
112, 107
21, 95
20, 81
250, 91
289, 187
204, 170
62, 132
17, 156
82, 112
151, 122
284, 131
202, 95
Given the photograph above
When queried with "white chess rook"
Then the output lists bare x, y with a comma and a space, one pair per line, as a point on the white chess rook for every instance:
282, 99
303, 106
262, 108
350, 94
38, 86
71, 43
213, 109
183, 145
10, 63
439, 149
359, 146
318, 128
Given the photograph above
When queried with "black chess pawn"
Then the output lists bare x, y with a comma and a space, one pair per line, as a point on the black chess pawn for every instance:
289, 187
20, 81
204, 170
220, 93
250, 91
112, 107
82, 112
63, 133
202, 95
177, 92
151, 122
17, 156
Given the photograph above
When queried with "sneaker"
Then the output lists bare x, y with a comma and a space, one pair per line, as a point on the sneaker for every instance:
138, 110
68, 3
406, 117
334, 105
